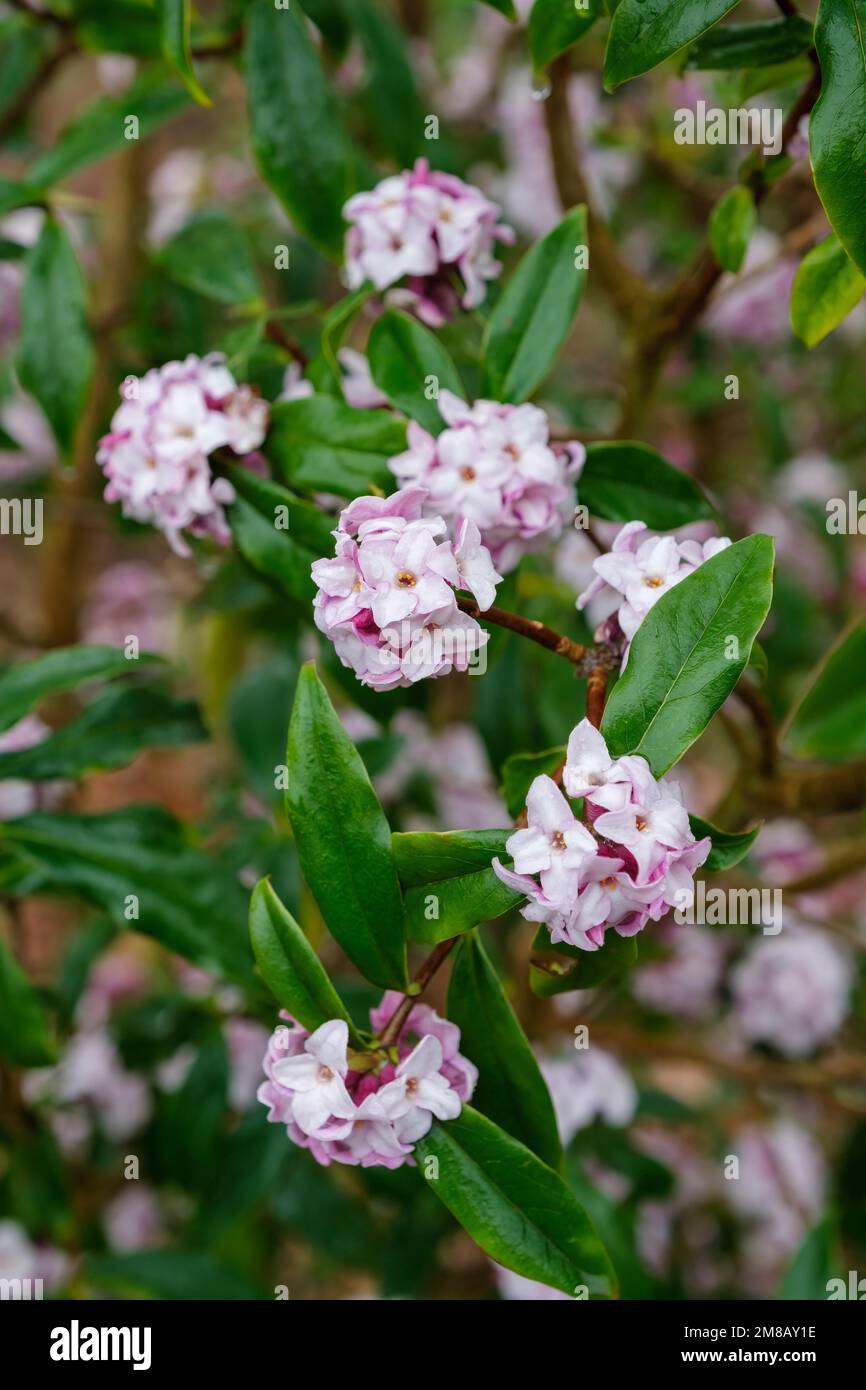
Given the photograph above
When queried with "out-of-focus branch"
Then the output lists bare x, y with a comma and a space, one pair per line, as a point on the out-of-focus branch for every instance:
67, 541
41, 77
625, 287
835, 1069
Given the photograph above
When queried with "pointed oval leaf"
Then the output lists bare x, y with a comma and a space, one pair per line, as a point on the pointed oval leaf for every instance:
514, 1206
837, 125
343, 838
830, 720
511, 1089
534, 313
289, 965
679, 669
826, 288
405, 358
643, 33
623, 480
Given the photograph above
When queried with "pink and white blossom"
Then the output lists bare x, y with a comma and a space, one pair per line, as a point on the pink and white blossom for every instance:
496, 465
156, 455
420, 227
372, 1115
792, 990
632, 857
640, 567
387, 600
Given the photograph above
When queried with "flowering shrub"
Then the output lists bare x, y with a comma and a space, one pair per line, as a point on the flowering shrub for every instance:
432, 756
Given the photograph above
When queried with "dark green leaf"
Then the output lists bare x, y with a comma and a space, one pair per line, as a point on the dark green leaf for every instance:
289, 965
22, 687
184, 898
109, 733
25, 1037
343, 839
390, 89
211, 256
551, 976
728, 848
811, 1273
763, 44
554, 25
55, 357
174, 18
423, 856
511, 1089
732, 223
628, 482
837, 125
298, 137
407, 360
322, 443
643, 33
516, 1208
169, 1274
451, 906
519, 772
679, 669
826, 288
534, 313
830, 720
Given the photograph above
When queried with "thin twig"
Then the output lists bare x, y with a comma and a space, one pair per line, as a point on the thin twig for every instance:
436, 958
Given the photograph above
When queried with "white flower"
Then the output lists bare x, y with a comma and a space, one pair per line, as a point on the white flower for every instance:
316, 1077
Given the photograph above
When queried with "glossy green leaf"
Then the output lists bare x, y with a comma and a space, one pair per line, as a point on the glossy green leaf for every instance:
826, 288
298, 137
689, 653
284, 512
732, 223
174, 18
450, 886
289, 965
830, 720
25, 1036
555, 25
108, 733
55, 355
837, 124
138, 866
643, 33
511, 1089
343, 838
728, 847
324, 444
514, 1206
590, 968
22, 687
627, 481
211, 255
451, 906
423, 856
762, 44
390, 91
408, 364
274, 552
534, 314
519, 772
505, 7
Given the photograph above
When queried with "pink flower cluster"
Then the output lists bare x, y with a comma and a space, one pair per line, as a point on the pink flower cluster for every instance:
792, 990
387, 600
156, 455
372, 1117
423, 225
633, 858
640, 568
496, 465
